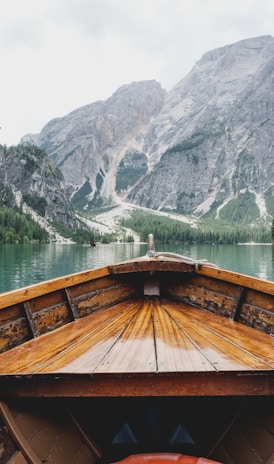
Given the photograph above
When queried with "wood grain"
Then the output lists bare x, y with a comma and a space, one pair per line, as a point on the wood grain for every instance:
144, 335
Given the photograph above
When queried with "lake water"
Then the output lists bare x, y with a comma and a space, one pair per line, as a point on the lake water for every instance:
22, 265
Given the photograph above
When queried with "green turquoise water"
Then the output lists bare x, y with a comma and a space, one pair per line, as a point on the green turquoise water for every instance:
22, 265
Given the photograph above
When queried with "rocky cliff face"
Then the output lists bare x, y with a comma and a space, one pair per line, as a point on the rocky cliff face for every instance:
213, 138
37, 184
205, 147
89, 143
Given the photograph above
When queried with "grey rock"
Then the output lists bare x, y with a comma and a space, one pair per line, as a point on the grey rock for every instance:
30, 173
208, 141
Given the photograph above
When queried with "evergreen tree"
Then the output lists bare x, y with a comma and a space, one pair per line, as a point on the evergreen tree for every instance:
17, 227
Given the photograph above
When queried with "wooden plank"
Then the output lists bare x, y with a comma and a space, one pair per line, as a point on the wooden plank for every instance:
94, 285
47, 428
91, 446
238, 303
175, 350
46, 351
50, 300
134, 350
239, 449
103, 298
29, 420
30, 320
145, 264
246, 383
47, 437
71, 305
17, 458
205, 298
51, 318
14, 334
17, 435
261, 346
67, 449
89, 350
111, 340
238, 335
254, 433
44, 425
214, 285
260, 300
10, 313
49, 286
216, 347
257, 318
254, 283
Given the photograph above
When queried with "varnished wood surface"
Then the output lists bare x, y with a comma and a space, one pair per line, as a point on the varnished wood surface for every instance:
237, 278
45, 433
137, 264
36, 290
144, 336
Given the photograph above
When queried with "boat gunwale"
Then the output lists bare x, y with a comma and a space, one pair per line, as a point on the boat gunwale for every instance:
43, 288
243, 280
59, 283
48, 286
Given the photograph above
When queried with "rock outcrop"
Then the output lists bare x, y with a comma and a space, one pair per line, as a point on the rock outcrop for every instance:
36, 183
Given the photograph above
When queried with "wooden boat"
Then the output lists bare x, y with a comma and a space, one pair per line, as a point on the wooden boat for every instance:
155, 359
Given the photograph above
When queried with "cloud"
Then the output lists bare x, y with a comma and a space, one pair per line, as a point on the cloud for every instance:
59, 55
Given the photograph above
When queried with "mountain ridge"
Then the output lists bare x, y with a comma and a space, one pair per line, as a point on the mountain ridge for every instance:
203, 148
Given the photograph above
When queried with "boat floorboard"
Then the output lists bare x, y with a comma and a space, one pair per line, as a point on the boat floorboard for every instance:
151, 335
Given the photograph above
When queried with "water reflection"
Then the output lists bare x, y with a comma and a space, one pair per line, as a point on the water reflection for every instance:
22, 265
254, 260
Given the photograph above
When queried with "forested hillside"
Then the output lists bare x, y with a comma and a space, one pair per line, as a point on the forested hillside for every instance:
17, 227
166, 230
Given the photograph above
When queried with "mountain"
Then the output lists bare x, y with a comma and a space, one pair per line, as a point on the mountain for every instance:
89, 143
30, 179
204, 148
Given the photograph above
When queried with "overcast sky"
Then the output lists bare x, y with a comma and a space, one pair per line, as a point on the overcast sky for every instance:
58, 55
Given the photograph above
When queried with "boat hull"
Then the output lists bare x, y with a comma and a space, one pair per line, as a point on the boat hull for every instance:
153, 355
